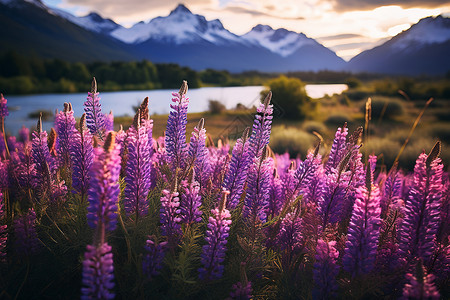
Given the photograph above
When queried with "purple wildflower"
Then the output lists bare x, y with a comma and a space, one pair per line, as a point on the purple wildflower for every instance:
104, 187
82, 157
363, 231
95, 119
3, 230
175, 139
98, 273
290, 238
288, 184
306, 170
198, 154
3, 107
242, 290
417, 233
420, 285
213, 253
325, 270
338, 148
27, 242
65, 128
258, 181
190, 203
169, 216
109, 121
275, 196
24, 134
237, 172
153, 257
313, 191
261, 128
138, 168
392, 189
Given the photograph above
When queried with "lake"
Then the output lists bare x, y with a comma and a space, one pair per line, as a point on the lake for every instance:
121, 103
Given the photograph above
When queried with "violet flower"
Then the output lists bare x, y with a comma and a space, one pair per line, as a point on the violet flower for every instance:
417, 233
363, 231
138, 168
325, 270
213, 253
3, 230
290, 238
95, 119
420, 285
104, 187
261, 128
190, 203
241, 291
109, 121
3, 107
24, 134
258, 184
175, 138
27, 242
392, 190
153, 257
338, 148
306, 171
82, 157
275, 201
238, 169
198, 154
169, 216
98, 273
65, 128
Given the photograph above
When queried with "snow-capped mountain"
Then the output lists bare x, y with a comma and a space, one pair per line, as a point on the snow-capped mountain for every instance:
422, 49
92, 22
181, 26
281, 41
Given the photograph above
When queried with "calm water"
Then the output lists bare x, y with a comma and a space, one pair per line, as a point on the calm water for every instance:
121, 103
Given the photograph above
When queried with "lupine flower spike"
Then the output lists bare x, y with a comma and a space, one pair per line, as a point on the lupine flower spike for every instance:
213, 253
242, 290
65, 128
261, 127
95, 119
3, 230
420, 285
4, 113
153, 257
325, 270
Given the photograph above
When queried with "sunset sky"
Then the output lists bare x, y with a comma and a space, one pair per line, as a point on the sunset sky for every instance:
345, 26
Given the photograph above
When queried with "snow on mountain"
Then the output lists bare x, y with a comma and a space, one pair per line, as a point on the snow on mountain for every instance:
93, 21
281, 41
427, 31
179, 27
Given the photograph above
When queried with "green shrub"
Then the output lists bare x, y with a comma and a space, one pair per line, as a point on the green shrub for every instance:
293, 140
337, 120
216, 107
387, 108
310, 126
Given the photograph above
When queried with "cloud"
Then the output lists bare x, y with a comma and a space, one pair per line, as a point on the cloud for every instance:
348, 5
256, 13
339, 37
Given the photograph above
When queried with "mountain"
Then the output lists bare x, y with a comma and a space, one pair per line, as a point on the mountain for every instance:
422, 49
92, 22
31, 28
190, 40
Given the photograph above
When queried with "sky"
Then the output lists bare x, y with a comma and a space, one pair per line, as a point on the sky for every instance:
347, 27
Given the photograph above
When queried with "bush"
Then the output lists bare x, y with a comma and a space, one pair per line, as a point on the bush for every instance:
387, 108
289, 97
215, 107
337, 120
294, 141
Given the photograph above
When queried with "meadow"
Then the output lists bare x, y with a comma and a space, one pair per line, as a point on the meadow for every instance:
200, 207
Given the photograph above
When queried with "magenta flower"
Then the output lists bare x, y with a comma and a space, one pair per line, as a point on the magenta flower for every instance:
24, 134
198, 155
261, 128
191, 201
3, 107
65, 128
420, 285
95, 119
169, 216
325, 270
109, 121
27, 242
338, 148
153, 257
3, 230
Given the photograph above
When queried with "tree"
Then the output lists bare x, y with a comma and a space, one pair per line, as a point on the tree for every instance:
290, 96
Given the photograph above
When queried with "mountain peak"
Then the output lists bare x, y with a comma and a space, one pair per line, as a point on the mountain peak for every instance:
181, 9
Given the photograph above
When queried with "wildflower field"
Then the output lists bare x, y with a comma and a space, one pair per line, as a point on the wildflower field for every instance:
87, 212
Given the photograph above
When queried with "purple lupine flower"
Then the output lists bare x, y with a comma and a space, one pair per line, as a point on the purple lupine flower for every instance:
137, 172
4, 175
237, 172
217, 165
153, 257
306, 170
98, 273
337, 149
290, 238
332, 197
169, 216
392, 189
95, 119
24, 134
372, 162
109, 121
275, 196
44, 163
417, 233
258, 181
3, 107
82, 157
3, 230
288, 184
313, 191
325, 270
420, 285
363, 231
213, 253
65, 128
175, 138
261, 128
104, 187
198, 154
27, 242
241, 291
190, 203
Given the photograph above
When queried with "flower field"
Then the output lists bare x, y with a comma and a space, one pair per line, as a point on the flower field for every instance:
90, 213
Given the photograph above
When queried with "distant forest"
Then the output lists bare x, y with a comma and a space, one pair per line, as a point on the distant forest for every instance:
21, 74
